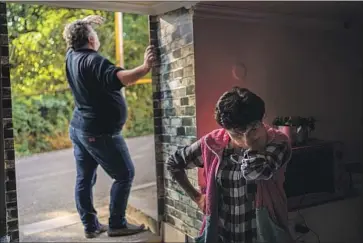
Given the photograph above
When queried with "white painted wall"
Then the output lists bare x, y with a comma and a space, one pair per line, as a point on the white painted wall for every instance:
300, 70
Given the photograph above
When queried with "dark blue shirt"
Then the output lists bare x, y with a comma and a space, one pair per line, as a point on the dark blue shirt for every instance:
99, 106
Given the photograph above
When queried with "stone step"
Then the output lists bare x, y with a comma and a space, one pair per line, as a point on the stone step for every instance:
74, 233
142, 208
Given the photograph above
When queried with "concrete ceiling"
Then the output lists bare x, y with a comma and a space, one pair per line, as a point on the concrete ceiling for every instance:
323, 9
138, 7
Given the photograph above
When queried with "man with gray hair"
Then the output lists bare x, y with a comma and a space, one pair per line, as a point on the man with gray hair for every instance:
99, 115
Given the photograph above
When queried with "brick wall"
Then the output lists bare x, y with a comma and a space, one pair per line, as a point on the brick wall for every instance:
174, 112
10, 182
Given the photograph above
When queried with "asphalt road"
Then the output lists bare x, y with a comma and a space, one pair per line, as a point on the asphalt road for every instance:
45, 182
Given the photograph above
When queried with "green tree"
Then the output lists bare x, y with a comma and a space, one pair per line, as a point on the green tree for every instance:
42, 101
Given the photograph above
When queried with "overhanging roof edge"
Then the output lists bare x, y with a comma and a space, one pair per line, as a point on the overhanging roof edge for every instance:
116, 6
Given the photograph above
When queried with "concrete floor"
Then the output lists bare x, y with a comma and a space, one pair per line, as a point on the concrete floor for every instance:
74, 233
142, 209
45, 184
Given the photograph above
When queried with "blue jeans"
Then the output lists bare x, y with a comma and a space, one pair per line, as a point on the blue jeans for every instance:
111, 153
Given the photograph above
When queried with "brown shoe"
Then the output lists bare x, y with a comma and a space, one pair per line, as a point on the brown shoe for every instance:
89, 235
130, 229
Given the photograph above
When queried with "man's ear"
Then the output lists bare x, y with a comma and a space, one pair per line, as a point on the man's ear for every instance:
91, 39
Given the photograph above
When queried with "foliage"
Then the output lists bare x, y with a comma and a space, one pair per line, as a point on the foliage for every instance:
140, 116
295, 121
39, 120
42, 102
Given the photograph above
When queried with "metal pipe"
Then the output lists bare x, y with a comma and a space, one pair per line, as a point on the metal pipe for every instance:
119, 42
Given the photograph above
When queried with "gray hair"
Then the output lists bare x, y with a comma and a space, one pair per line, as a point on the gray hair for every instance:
76, 34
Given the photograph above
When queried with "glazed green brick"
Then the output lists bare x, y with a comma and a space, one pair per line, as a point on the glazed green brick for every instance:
174, 106
7, 131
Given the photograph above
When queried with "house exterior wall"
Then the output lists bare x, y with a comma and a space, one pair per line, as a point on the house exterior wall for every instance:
7, 131
195, 60
174, 117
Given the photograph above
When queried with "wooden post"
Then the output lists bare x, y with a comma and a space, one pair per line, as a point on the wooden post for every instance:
119, 42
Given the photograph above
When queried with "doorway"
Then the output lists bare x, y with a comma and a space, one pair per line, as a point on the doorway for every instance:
42, 106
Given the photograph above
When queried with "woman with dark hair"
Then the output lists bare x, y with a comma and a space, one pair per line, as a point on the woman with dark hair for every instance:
244, 162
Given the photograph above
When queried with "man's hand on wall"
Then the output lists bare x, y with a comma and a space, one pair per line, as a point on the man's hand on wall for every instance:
128, 77
149, 57
94, 19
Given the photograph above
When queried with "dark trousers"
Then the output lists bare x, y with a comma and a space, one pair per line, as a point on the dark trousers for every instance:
111, 153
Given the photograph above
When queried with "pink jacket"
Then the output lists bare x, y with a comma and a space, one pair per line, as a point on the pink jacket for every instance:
270, 193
